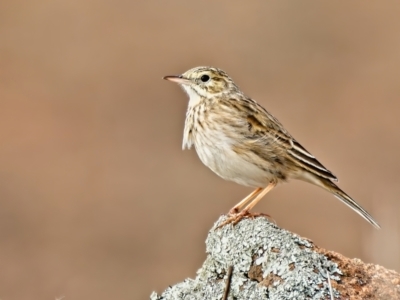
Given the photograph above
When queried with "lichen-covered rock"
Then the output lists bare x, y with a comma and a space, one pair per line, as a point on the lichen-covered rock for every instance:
268, 263
272, 263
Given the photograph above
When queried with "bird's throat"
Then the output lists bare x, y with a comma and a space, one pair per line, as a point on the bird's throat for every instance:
194, 97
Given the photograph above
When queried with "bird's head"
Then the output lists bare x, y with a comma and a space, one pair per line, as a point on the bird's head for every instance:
204, 82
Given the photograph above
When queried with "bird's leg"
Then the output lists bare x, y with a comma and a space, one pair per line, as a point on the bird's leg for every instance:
246, 211
242, 203
254, 202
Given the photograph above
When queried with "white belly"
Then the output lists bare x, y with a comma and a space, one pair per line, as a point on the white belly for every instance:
229, 165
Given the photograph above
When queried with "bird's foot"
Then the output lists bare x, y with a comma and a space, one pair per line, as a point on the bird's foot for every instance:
235, 217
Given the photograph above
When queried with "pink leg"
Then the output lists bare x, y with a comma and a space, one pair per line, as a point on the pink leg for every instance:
254, 202
242, 203
246, 211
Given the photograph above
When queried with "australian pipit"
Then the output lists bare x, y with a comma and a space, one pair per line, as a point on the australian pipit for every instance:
240, 141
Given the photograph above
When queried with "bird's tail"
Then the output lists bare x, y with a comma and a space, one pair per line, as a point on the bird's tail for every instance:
346, 199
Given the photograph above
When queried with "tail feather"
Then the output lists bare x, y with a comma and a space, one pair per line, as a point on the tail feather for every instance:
346, 199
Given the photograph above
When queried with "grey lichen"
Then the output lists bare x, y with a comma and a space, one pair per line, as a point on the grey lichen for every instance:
268, 263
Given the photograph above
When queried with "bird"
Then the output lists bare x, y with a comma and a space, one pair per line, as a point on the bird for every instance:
241, 141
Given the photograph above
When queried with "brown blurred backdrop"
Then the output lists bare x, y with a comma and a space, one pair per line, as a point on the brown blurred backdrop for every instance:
97, 200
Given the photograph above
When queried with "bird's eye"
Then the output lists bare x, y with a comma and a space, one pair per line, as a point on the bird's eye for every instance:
205, 78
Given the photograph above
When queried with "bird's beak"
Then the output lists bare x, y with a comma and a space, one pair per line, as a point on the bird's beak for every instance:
178, 79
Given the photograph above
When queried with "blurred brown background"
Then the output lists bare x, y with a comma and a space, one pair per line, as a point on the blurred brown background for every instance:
97, 199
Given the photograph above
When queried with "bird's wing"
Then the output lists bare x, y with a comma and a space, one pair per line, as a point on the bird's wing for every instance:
262, 120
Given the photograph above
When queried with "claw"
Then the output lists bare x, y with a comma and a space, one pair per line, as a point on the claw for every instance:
234, 218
